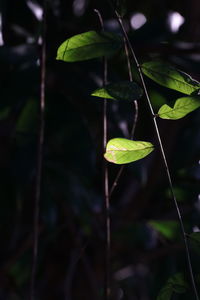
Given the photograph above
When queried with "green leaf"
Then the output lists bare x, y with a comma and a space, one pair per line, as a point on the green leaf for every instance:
123, 151
182, 107
167, 228
124, 90
89, 45
170, 77
175, 284
165, 293
178, 283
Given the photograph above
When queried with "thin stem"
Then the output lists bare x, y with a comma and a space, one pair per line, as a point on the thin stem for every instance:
107, 288
39, 157
115, 183
131, 80
163, 157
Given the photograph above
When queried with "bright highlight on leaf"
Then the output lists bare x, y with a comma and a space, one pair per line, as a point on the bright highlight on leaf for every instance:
125, 90
89, 45
123, 151
182, 107
168, 76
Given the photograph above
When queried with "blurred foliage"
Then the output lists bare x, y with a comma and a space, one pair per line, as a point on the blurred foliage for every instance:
71, 244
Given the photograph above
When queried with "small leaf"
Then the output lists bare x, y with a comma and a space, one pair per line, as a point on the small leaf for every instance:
178, 283
89, 45
123, 151
165, 293
167, 228
170, 77
175, 284
182, 107
124, 90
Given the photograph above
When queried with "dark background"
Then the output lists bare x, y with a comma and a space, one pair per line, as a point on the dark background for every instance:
71, 228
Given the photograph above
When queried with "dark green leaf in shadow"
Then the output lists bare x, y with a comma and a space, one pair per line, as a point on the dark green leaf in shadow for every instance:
89, 45
123, 151
170, 77
178, 283
165, 293
125, 90
182, 107
175, 284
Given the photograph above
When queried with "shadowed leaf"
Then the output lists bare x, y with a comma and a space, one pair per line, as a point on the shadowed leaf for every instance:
125, 90
175, 284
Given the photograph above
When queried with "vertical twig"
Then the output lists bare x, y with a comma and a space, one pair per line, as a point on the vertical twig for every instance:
134, 120
39, 156
107, 288
163, 157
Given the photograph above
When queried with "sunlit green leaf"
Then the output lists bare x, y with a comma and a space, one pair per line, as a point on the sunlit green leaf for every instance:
125, 90
89, 45
123, 151
170, 77
182, 107
167, 228
175, 284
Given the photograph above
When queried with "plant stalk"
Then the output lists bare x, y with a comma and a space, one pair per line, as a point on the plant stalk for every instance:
115, 183
39, 157
107, 288
168, 173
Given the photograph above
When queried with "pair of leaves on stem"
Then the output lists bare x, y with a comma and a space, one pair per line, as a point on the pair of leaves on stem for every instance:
172, 78
120, 150
165, 75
